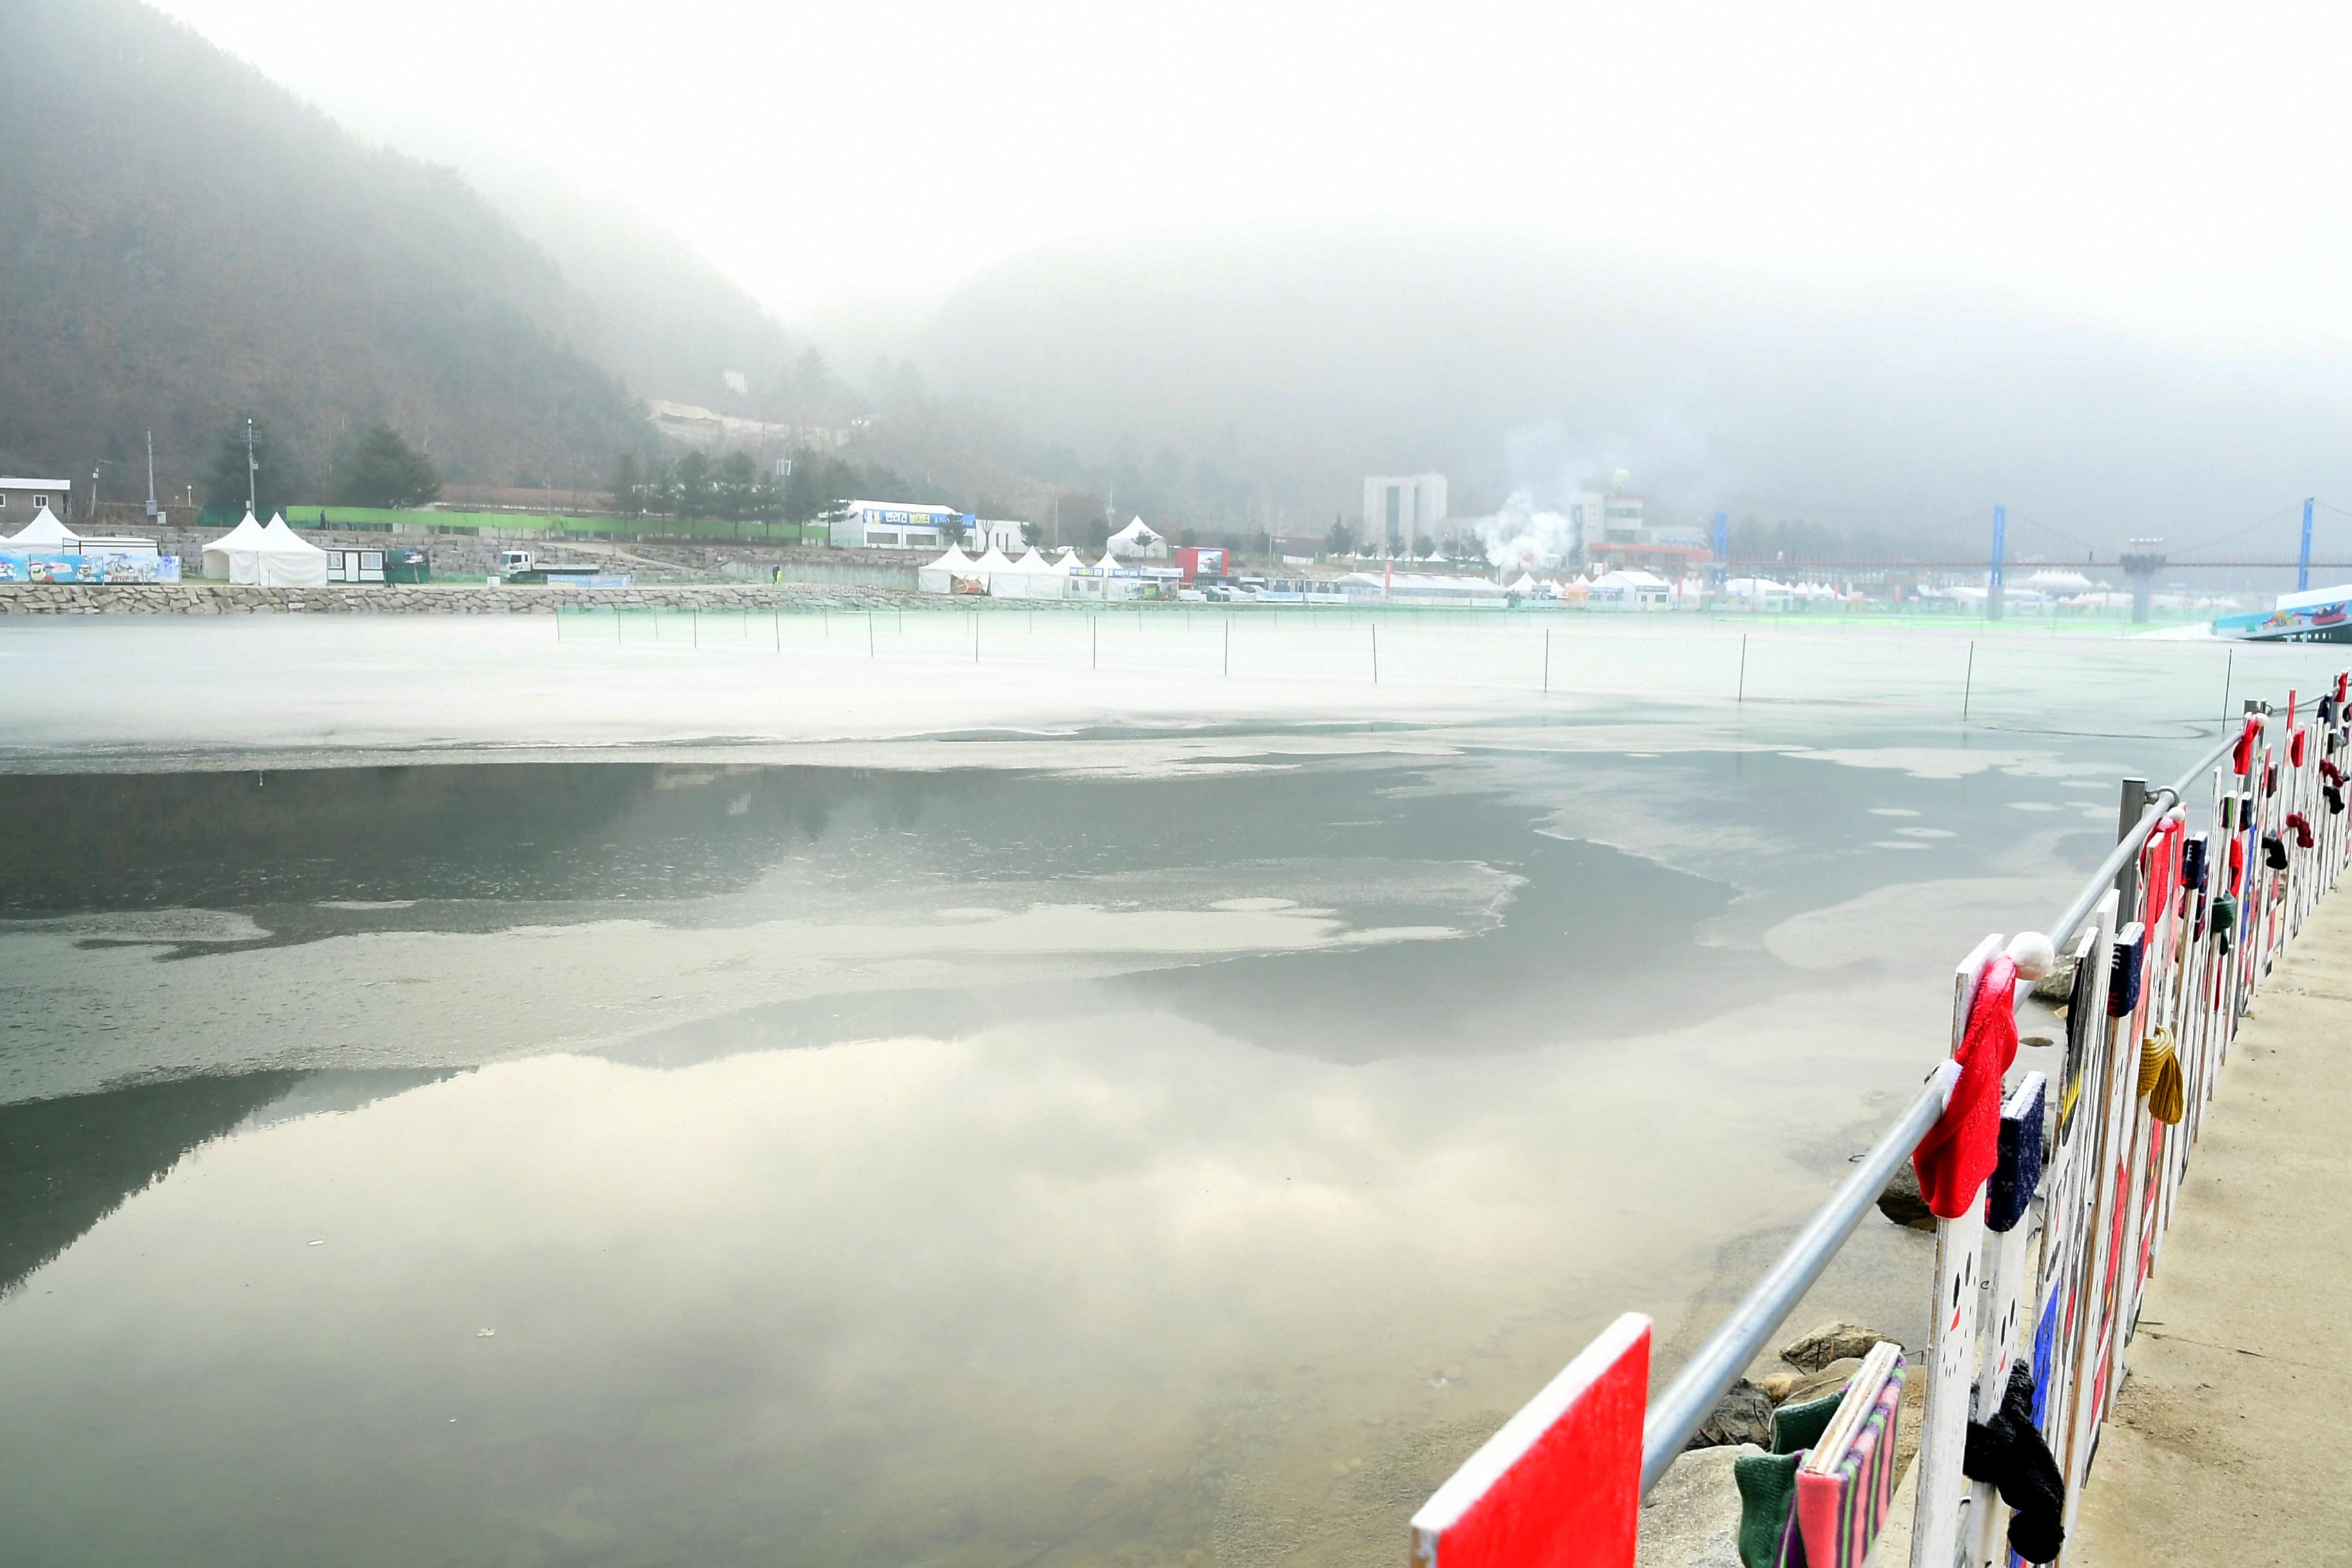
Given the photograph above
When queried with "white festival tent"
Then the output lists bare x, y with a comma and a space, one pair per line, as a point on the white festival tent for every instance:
940, 576
47, 535
995, 572
1139, 537
271, 556
293, 561
1031, 577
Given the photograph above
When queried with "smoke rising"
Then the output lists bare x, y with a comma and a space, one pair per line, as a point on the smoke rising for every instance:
1521, 539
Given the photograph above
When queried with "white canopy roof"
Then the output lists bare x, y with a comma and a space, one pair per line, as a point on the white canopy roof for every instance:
993, 561
1631, 577
2314, 596
955, 559
271, 556
1136, 533
1526, 584
284, 540
44, 533
1032, 561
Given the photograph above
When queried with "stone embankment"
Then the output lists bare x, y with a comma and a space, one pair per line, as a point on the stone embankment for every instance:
457, 599
459, 556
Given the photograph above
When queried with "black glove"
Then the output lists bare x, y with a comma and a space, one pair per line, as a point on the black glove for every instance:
2008, 1451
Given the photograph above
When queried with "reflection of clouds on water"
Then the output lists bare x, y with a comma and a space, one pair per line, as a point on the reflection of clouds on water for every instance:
880, 1280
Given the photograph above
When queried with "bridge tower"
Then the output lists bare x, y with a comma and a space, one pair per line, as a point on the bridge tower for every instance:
2000, 548
2303, 561
2141, 561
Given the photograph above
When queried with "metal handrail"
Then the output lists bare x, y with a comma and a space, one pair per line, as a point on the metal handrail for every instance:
1685, 1403
1683, 1408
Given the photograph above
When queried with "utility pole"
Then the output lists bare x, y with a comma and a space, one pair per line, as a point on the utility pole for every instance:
251, 469
150, 473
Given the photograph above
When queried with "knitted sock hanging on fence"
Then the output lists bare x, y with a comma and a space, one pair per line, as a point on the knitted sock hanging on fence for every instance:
2020, 1171
2123, 978
2301, 826
2192, 864
2225, 921
2327, 709
2160, 1079
2009, 1452
2275, 851
2242, 755
2270, 778
2334, 796
2330, 772
1768, 1508
1961, 1150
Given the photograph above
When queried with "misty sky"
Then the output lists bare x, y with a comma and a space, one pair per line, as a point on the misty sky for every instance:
2177, 173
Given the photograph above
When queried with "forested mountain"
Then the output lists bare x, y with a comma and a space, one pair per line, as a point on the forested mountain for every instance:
181, 241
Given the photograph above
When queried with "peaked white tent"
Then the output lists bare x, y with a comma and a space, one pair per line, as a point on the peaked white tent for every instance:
1138, 539
236, 554
1032, 577
270, 556
992, 563
940, 576
1631, 589
46, 535
290, 562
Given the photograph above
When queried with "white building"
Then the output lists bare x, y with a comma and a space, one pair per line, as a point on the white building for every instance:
20, 498
1606, 517
996, 534
1401, 507
894, 525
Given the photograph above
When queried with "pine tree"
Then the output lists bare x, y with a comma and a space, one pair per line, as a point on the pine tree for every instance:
384, 470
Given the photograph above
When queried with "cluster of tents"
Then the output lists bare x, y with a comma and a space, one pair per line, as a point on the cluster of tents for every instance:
1031, 577
268, 554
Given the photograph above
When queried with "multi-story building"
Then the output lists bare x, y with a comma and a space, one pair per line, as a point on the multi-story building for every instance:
1402, 508
1605, 516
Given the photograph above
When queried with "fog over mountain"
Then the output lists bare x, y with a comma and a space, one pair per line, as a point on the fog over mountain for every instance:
1287, 363
193, 239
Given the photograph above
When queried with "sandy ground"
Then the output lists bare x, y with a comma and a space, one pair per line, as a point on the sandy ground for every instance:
2222, 1447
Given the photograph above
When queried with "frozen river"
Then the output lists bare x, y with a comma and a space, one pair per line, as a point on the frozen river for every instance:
974, 1090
